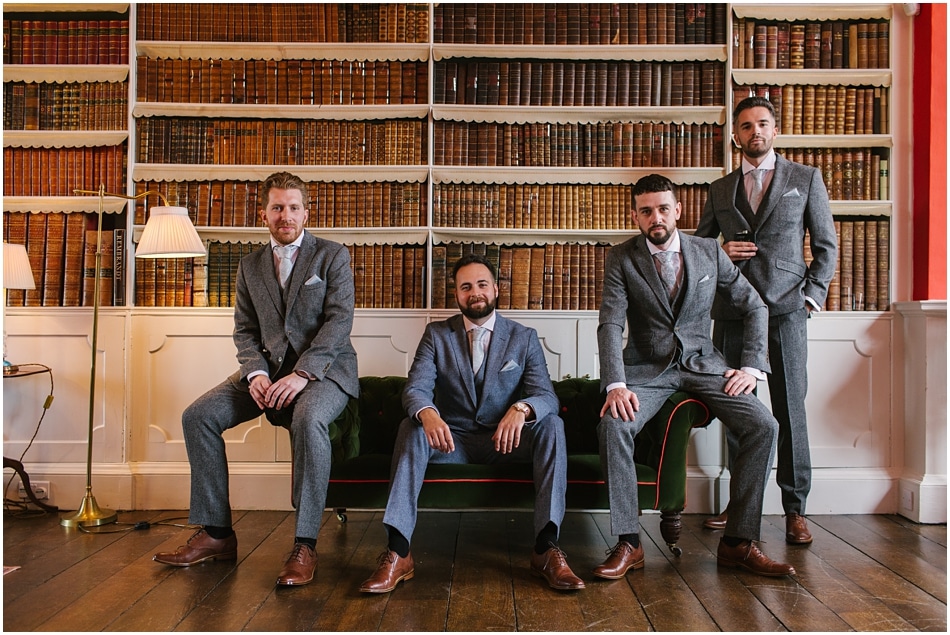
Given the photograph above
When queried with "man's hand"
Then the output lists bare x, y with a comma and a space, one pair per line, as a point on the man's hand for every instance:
740, 382
258, 387
622, 403
738, 250
283, 391
437, 431
507, 435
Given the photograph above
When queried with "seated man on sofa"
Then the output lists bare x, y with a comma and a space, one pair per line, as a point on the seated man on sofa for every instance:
478, 392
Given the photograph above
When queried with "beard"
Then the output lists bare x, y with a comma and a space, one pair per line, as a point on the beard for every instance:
659, 238
477, 314
760, 150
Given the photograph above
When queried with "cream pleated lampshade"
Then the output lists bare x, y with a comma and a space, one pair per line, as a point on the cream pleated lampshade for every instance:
169, 233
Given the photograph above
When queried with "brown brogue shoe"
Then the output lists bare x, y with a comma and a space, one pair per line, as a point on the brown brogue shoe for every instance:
620, 559
299, 567
391, 570
796, 530
552, 566
717, 522
199, 548
746, 555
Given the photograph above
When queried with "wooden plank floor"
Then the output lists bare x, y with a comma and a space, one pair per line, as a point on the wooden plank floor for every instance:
864, 573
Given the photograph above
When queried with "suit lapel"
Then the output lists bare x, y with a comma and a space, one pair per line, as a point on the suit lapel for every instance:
463, 360
269, 277
774, 193
644, 263
496, 351
302, 265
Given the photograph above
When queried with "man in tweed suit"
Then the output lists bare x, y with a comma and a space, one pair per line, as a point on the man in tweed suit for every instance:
660, 287
478, 391
762, 211
292, 322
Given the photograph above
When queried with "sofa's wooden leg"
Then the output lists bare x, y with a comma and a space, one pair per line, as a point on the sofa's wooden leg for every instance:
341, 514
671, 525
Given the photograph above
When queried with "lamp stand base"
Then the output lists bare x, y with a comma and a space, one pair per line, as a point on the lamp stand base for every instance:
89, 514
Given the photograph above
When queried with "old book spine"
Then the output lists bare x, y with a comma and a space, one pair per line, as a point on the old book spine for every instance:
833, 303
847, 265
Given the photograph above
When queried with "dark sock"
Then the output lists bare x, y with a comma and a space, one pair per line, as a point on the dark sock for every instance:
546, 538
732, 541
219, 532
310, 542
631, 539
397, 542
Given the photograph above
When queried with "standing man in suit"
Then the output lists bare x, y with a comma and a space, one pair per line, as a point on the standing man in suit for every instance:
478, 392
292, 323
762, 211
660, 285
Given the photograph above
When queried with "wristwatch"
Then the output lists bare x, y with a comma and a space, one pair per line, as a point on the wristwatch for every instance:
523, 408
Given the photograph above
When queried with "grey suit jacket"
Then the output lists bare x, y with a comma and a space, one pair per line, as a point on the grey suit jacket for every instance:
634, 295
441, 375
316, 322
796, 200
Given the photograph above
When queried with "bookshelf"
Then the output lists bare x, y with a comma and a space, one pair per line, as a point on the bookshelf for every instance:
827, 70
497, 133
165, 356
65, 120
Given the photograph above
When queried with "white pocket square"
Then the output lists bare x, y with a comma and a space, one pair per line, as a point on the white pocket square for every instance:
509, 365
705, 278
314, 279
793, 192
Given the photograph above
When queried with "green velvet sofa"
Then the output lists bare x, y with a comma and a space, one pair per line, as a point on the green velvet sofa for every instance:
365, 433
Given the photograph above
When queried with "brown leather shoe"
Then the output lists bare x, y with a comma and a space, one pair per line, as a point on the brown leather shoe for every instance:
200, 547
391, 570
747, 556
299, 567
796, 530
552, 566
717, 522
621, 559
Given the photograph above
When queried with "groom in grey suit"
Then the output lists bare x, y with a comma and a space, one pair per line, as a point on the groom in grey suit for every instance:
762, 210
660, 286
292, 322
478, 392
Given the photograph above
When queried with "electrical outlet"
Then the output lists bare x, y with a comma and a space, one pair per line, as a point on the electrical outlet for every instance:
907, 500
40, 490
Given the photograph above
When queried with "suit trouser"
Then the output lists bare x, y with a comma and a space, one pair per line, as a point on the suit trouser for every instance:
788, 383
226, 406
543, 444
744, 415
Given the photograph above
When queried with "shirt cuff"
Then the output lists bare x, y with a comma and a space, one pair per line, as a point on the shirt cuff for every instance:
814, 305
416, 416
755, 372
254, 373
616, 384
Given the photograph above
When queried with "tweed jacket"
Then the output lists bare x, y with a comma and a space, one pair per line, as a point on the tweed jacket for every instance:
635, 298
315, 320
441, 375
795, 201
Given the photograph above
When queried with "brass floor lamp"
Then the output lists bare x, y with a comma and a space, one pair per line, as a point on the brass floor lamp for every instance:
169, 233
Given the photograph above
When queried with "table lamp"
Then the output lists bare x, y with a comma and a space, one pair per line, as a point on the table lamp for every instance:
16, 275
168, 233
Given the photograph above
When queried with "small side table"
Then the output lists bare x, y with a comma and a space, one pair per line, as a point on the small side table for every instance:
25, 370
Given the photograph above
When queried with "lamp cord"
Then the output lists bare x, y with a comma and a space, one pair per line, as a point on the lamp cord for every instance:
10, 504
142, 524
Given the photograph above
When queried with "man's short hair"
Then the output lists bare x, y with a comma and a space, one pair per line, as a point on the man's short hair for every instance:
282, 181
471, 258
653, 183
753, 102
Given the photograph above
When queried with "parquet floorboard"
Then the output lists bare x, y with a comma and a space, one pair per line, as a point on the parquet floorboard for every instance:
862, 573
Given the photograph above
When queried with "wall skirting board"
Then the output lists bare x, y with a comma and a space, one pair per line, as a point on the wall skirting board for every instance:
923, 484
